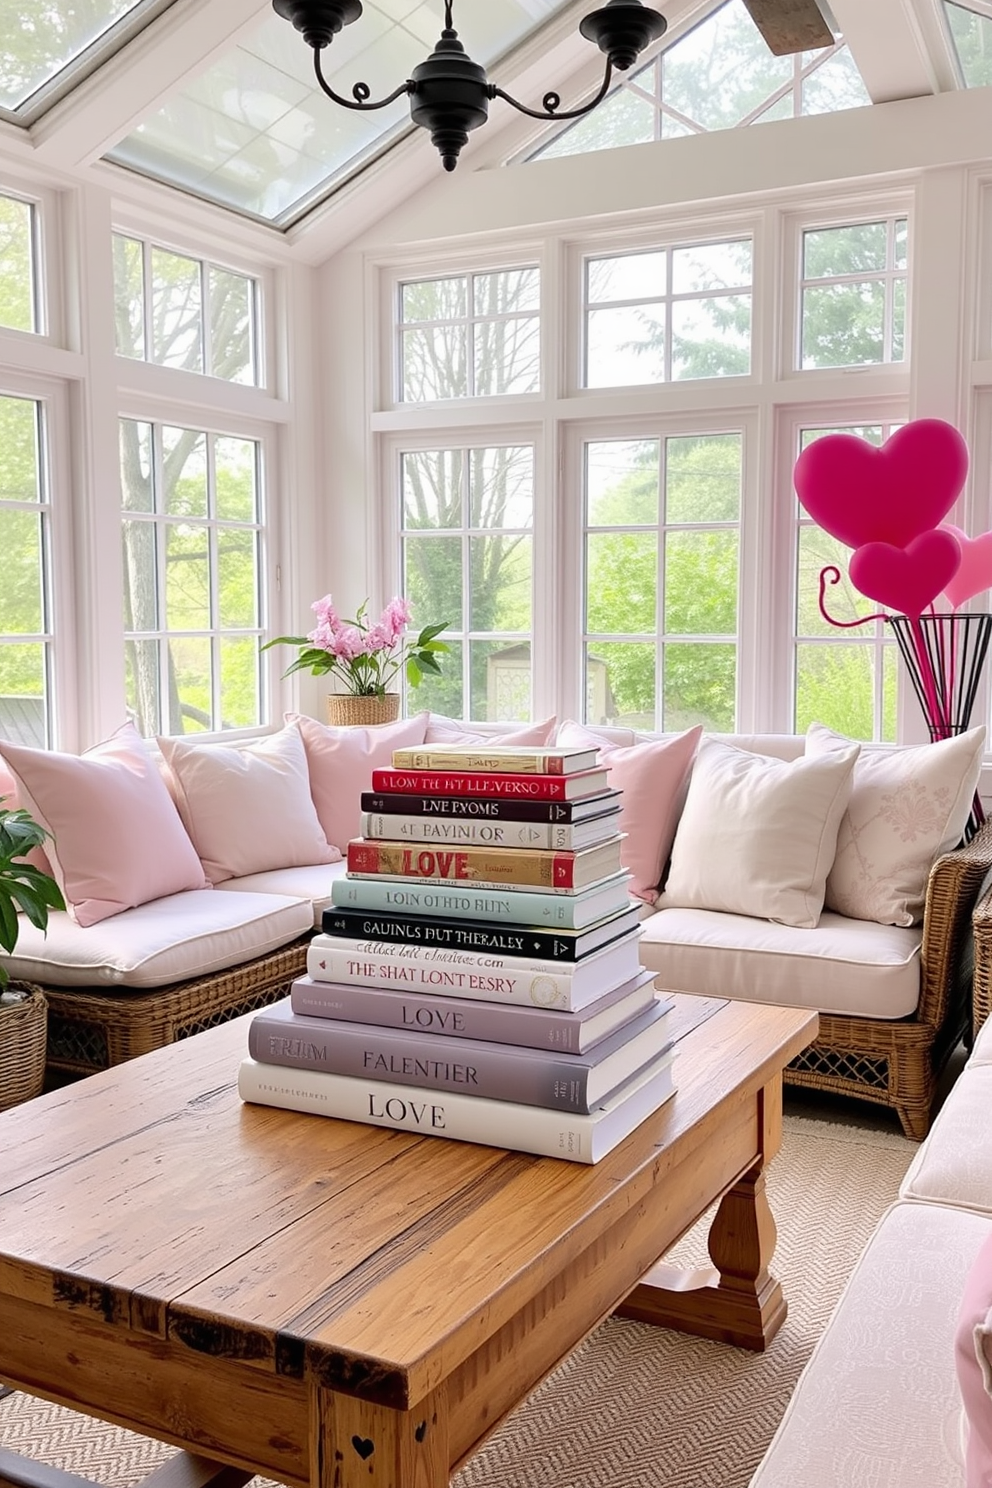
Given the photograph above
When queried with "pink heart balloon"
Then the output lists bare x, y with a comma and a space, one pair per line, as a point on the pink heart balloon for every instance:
862, 494
906, 579
975, 569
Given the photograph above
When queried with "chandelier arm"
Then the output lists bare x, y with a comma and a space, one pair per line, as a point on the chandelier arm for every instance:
361, 91
552, 100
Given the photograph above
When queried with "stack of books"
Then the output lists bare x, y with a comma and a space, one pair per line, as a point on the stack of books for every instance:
478, 975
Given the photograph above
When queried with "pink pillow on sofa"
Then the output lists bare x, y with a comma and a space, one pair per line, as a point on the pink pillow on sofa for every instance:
973, 1363
10, 801
247, 807
340, 762
653, 776
117, 838
441, 730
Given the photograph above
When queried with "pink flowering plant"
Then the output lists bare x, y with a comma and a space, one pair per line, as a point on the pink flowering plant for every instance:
366, 657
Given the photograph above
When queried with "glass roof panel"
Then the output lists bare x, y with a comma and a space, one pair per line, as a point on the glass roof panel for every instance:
254, 131
971, 33
45, 47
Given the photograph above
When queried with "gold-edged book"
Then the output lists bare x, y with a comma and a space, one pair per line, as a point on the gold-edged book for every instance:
518, 759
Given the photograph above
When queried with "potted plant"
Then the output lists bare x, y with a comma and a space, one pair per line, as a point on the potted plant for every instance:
23, 1009
365, 658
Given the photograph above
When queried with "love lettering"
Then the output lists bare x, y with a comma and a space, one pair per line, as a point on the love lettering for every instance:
440, 864
417, 1113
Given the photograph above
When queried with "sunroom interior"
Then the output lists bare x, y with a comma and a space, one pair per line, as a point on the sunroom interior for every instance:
257, 349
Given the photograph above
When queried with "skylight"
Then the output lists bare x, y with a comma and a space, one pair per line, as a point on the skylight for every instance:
254, 132
719, 75
971, 33
45, 50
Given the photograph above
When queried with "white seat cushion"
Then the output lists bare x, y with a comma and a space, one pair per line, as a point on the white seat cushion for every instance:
954, 1165
878, 1402
313, 883
167, 940
842, 966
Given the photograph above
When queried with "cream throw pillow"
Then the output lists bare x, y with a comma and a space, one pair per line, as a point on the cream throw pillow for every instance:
757, 835
908, 805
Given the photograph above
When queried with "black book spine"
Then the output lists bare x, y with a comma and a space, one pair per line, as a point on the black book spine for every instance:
459, 935
482, 808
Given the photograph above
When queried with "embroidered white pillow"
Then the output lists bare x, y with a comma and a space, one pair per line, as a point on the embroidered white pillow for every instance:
248, 808
757, 835
908, 805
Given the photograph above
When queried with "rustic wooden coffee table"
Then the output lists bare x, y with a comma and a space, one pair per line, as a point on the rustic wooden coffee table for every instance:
334, 1305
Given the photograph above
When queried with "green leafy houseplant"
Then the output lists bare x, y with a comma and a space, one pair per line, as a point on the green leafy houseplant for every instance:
22, 887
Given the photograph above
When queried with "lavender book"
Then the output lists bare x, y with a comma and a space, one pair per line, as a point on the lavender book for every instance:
433, 1061
460, 1017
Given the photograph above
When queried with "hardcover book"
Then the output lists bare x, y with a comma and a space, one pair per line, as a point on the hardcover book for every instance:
568, 836
524, 907
490, 808
467, 935
515, 787
466, 1118
567, 984
499, 1023
512, 866
436, 1061
513, 758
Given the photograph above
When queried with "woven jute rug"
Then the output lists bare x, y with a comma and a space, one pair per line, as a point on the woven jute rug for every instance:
633, 1406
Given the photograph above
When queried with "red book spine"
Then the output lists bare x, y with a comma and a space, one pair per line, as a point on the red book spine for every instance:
459, 783
462, 865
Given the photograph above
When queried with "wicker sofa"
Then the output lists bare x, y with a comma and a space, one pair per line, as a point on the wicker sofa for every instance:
132, 1004
884, 1048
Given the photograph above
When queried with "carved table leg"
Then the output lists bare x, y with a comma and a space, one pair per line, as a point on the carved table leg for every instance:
355, 1444
738, 1302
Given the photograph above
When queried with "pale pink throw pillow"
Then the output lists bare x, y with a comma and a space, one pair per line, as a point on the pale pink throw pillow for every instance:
117, 840
441, 730
340, 762
972, 1354
10, 801
654, 777
247, 808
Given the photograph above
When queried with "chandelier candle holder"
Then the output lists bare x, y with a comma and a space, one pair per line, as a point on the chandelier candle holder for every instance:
449, 93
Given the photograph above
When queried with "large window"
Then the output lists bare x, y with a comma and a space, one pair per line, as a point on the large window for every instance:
192, 535
662, 554
467, 559
668, 314
844, 677
183, 312
25, 593
470, 336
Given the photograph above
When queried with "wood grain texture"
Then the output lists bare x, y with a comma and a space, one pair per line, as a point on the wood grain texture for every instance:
253, 1284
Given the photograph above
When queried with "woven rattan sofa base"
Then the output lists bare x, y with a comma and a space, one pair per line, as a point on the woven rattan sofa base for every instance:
897, 1064
92, 1028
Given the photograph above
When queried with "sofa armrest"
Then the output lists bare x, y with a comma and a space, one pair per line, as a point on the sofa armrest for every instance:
981, 922
958, 883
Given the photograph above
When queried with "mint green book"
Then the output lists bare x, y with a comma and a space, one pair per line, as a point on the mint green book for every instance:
569, 911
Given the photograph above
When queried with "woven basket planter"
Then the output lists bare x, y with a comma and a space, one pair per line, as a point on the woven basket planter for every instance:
23, 1032
344, 709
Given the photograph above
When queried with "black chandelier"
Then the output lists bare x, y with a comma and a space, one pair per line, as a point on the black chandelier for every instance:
449, 93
